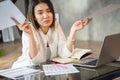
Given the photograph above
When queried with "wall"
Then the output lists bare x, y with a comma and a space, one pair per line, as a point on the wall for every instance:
72, 10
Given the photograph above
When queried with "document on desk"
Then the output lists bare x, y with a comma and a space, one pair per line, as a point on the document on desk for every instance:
9, 9
58, 69
18, 72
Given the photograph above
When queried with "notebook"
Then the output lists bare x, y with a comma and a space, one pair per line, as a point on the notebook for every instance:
110, 51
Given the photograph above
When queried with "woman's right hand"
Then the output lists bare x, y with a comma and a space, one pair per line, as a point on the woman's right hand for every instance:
25, 26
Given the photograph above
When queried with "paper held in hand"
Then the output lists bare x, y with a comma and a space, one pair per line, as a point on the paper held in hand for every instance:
7, 10
77, 55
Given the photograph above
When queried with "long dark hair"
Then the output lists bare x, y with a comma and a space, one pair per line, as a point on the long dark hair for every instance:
31, 16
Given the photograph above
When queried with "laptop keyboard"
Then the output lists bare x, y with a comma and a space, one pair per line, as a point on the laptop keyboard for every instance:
91, 62
88, 61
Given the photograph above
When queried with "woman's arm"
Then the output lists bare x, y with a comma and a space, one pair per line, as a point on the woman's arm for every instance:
33, 51
25, 27
78, 25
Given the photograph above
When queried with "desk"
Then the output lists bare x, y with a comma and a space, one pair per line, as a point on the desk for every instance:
85, 73
100, 73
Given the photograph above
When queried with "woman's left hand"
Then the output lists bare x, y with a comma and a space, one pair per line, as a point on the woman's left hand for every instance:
78, 25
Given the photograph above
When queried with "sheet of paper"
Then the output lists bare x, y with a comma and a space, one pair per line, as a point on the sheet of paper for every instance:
14, 73
58, 69
7, 10
104, 10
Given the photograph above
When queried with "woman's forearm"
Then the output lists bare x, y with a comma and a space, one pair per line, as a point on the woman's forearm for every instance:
33, 50
70, 40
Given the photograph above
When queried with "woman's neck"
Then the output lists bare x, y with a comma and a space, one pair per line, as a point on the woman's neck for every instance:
45, 30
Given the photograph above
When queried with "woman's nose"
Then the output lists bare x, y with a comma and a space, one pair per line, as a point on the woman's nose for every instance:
45, 15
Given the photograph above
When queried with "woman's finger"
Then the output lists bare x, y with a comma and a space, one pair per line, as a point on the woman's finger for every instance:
87, 21
84, 22
25, 27
15, 21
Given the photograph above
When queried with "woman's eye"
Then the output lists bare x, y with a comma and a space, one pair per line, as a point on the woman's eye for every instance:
48, 10
40, 12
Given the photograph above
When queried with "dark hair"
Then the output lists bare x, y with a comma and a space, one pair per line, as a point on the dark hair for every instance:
31, 16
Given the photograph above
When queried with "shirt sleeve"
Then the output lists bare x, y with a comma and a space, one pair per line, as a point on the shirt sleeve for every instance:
40, 57
25, 49
24, 59
62, 48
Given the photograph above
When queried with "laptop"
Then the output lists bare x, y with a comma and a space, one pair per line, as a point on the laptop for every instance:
110, 51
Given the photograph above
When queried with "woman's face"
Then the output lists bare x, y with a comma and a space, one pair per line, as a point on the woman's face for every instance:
43, 15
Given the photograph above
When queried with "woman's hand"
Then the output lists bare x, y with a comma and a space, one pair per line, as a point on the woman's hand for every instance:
25, 26
78, 25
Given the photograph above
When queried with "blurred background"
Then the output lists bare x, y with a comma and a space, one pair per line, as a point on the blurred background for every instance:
67, 12
72, 10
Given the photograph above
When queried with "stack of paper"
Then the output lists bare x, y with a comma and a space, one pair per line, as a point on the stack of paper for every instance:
18, 72
57, 69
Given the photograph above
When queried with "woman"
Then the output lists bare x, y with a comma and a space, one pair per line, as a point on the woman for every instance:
43, 37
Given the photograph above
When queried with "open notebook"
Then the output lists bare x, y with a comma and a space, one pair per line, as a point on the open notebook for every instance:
77, 55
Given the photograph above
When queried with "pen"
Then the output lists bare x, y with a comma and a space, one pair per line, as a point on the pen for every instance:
60, 66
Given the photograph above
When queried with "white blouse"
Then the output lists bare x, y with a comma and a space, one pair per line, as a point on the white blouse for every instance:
57, 45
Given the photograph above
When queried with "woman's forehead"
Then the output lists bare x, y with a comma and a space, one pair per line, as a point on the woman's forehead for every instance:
41, 6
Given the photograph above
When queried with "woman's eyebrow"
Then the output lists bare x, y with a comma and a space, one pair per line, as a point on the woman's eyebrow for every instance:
48, 9
39, 10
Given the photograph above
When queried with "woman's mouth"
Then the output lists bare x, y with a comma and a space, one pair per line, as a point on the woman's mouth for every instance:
46, 21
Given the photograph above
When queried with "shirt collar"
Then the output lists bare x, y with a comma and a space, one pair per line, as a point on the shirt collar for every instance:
46, 36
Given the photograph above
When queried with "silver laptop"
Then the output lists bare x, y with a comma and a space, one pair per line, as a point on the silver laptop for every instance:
110, 51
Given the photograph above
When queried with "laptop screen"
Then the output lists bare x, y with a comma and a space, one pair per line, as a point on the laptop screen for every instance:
110, 49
